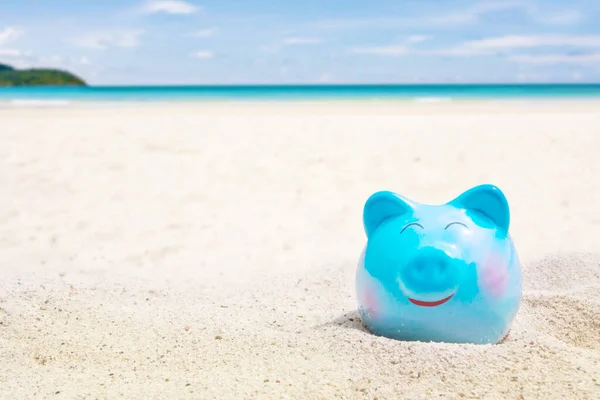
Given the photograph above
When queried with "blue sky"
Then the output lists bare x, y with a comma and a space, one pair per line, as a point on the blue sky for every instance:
311, 41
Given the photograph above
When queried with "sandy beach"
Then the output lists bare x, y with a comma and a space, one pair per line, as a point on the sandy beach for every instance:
208, 250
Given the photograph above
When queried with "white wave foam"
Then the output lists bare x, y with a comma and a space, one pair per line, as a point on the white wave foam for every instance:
38, 103
432, 99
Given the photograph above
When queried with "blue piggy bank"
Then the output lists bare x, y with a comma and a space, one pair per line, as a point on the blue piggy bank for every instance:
441, 273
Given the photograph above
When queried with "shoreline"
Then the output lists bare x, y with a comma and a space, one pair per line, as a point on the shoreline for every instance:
375, 104
381, 94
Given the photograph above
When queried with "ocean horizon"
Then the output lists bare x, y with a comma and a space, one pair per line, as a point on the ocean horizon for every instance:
415, 92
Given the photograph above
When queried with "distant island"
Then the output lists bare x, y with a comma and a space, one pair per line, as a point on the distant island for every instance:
10, 76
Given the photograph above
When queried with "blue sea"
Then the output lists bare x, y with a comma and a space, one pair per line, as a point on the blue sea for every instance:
66, 95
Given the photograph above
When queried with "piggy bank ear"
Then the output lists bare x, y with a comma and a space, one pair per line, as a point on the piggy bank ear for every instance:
487, 200
381, 206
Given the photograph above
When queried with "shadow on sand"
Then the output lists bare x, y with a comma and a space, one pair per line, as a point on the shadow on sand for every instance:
350, 320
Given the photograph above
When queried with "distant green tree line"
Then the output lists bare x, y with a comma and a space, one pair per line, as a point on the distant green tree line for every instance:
37, 77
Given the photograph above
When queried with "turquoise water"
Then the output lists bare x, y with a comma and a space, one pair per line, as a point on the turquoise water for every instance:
296, 92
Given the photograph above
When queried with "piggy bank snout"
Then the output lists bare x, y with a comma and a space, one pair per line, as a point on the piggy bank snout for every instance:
429, 270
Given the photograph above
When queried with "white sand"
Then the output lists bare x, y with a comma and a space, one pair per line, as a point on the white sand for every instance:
209, 250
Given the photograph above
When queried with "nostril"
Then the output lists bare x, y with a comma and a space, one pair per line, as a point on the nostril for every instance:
441, 266
440, 270
429, 266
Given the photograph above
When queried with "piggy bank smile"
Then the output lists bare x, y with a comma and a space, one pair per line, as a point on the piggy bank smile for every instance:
422, 303
444, 272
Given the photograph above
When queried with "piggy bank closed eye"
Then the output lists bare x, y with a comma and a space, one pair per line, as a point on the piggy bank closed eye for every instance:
441, 273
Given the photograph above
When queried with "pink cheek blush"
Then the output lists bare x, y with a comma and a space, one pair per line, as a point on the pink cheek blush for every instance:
494, 276
370, 303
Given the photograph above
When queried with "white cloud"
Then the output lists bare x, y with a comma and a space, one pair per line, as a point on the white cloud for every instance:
457, 19
301, 40
383, 50
10, 53
417, 38
204, 33
448, 20
269, 48
549, 59
170, 7
517, 41
511, 46
84, 61
9, 34
513, 43
53, 60
532, 77
492, 6
325, 78
458, 51
105, 40
406, 47
439, 21
531, 9
563, 18
202, 54
290, 41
